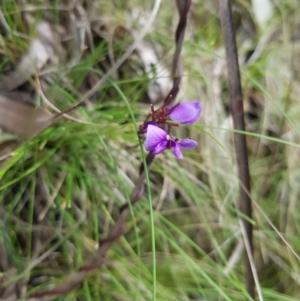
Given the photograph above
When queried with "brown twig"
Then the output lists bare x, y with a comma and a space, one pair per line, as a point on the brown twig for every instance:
119, 227
237, 111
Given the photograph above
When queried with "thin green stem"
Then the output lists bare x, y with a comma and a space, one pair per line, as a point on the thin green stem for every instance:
152, 226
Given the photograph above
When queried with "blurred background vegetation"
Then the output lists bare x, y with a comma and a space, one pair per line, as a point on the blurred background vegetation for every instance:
61, 191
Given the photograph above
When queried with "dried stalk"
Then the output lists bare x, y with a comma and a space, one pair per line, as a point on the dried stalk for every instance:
237, 111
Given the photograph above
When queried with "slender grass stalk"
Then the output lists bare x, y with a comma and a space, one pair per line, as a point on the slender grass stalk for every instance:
152, 226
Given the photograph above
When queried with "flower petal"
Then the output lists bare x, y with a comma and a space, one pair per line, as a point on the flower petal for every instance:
186, 113
154, 136
145, 126
177, 152
160, 148
188, 143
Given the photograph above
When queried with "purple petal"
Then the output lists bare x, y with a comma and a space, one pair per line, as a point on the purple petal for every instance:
188, 143
154, 136
193, 120
145, 126
160, 148
186, 113
177, 152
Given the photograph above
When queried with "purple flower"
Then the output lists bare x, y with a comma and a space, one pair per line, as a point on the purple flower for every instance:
186, 113
157, 140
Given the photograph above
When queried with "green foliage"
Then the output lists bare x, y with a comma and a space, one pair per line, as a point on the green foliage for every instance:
63, 189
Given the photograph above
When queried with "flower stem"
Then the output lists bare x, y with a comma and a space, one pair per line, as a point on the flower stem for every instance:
237, 111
